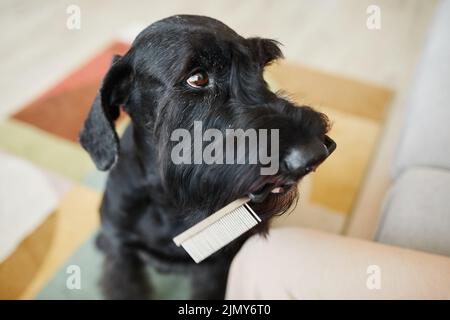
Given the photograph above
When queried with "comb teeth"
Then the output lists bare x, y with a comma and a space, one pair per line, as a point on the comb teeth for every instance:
219, 233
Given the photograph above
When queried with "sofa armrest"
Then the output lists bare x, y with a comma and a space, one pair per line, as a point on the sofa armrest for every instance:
426, 136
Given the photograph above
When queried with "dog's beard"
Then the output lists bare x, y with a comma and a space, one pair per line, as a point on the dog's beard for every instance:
277, 203
200, 190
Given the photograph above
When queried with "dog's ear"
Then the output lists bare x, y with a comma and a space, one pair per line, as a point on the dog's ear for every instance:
265, 50
98, 136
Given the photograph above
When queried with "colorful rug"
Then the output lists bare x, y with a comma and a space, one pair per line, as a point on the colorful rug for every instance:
42, 136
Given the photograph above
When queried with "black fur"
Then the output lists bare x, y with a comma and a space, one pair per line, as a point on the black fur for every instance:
148, 199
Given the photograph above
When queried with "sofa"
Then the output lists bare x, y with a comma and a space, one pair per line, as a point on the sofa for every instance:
416, 211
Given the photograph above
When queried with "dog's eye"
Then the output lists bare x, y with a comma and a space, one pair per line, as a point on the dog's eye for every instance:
198, 80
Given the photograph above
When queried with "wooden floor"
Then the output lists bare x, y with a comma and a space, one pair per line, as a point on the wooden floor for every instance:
37, 49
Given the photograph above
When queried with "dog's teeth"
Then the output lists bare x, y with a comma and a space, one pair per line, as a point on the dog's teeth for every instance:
278, 190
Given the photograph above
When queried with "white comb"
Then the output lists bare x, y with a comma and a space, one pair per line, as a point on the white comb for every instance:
217, 230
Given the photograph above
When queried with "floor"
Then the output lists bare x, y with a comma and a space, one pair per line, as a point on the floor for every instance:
328, 35
38, 49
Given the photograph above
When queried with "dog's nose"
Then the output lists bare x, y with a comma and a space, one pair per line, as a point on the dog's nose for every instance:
305, 158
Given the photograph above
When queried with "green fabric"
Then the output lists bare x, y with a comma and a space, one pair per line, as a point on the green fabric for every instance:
96, 180
89, 259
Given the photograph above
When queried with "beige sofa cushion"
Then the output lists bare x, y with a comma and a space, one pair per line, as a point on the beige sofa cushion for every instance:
426, 137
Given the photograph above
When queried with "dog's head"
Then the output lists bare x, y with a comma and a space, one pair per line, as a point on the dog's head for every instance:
185, 69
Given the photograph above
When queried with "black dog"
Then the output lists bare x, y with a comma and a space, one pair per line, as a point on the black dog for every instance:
179, 70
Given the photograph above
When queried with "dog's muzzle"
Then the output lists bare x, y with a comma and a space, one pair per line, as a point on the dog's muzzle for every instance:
297, 163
